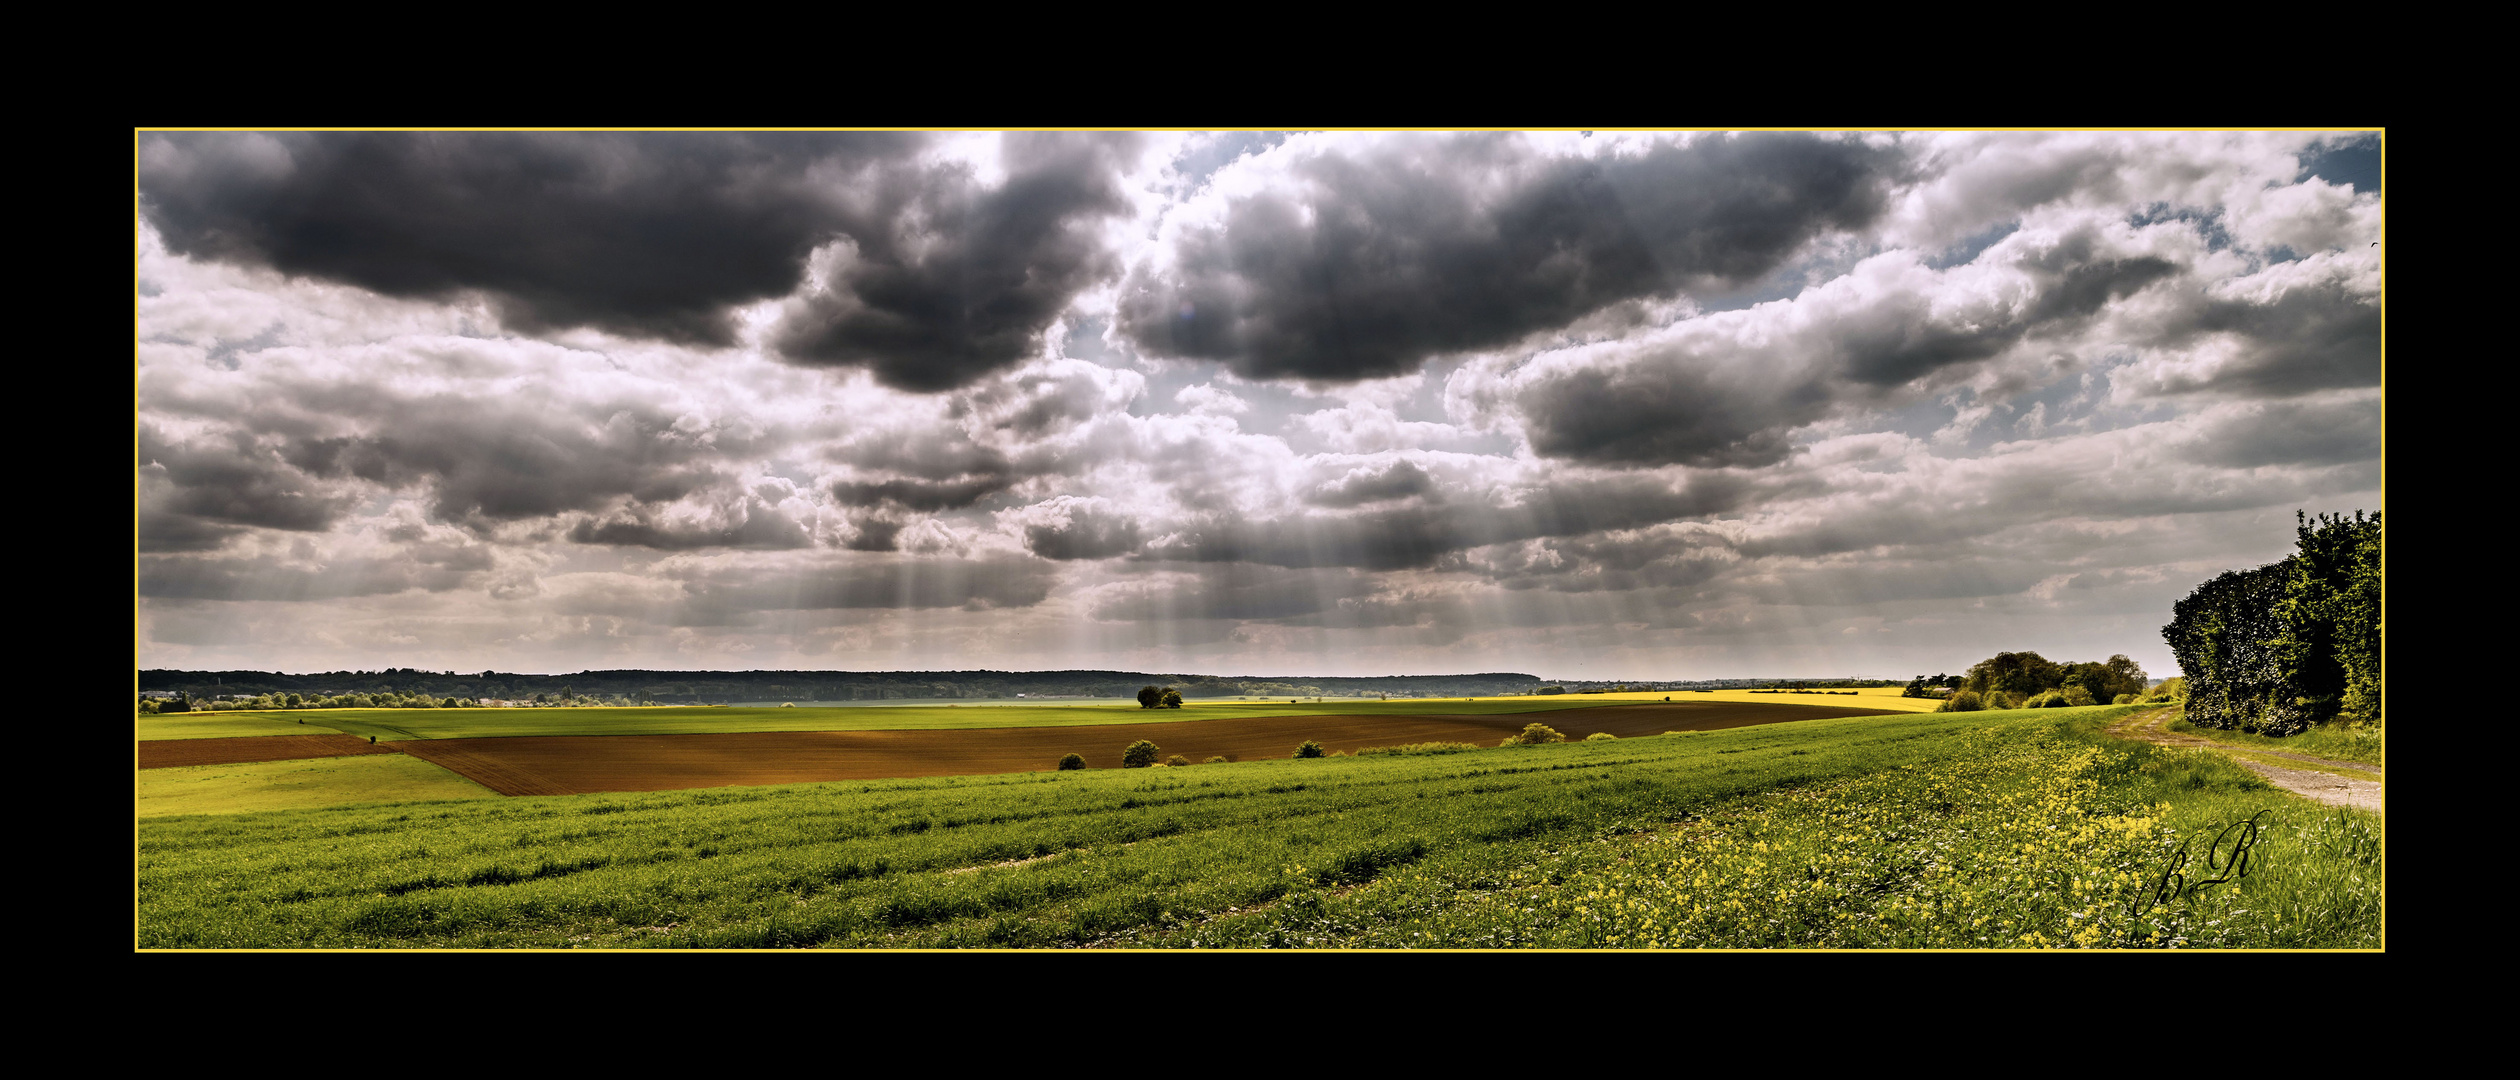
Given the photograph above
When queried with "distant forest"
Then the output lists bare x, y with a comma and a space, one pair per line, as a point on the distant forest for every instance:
725, 687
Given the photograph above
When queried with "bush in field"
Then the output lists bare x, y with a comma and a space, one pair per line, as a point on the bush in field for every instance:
1139, 755
1072, 761
1962, 701
2123, 699
1599, 736
1176, 761
1419, 748
1310, 749
1534, 735
1217, 760
2052, 699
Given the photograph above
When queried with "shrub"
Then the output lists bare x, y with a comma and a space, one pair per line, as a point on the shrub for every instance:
1964, 701
1217, 760
2049, 699
1599, 736
1534, 735
1308, 750
1420, 748
1176, 761
2123, 699
1139, 755
1072, 761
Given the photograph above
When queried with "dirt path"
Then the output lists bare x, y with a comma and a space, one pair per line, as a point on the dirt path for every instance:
2153, 727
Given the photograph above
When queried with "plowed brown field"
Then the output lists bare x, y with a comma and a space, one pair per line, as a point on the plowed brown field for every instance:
170, 753
581, 764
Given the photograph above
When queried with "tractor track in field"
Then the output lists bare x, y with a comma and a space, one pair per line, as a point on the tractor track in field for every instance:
2329, 788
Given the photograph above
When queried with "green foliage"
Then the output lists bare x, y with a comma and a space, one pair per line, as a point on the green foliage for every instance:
2277, 649
2331, 616
1172, 699
1534, 735
1176, 761
1139, 755
1416, 749
2023, 673
1071, 762
1150, 697
1309, 749
1962, 701
1601, 736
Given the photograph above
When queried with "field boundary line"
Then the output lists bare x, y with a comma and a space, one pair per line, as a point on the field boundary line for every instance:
496, 775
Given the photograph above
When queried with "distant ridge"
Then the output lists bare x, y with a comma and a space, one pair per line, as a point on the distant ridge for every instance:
692, 687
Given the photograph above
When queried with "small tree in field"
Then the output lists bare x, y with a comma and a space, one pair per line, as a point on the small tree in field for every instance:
1172, 699
1072, 761
1150, 696
1139, 755
1310, 749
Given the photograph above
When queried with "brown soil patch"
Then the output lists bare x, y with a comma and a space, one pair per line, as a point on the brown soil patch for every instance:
569, 765
174, 753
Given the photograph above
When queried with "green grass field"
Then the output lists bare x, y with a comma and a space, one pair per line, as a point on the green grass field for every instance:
390, 725
1933, 830
296, 785
2333, 741
148, 727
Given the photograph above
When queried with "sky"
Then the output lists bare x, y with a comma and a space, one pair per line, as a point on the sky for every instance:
1588, 405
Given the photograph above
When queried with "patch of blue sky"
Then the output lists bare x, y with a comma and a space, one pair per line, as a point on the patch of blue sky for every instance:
2352, 159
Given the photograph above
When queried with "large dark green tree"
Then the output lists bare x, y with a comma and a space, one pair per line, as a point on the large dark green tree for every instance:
2022, 673
2289, 644
2331, 616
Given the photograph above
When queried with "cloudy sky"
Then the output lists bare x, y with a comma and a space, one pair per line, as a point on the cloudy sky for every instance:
1587, 405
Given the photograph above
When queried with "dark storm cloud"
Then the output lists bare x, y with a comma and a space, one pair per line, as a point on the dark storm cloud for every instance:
1240, 593
971, 584
1667, 408
2313, 337
960, 280
1087, 533
1598, 563
512, 462
945, 471
1398, 480
2291, 433
661, 235
1711, 399
1420, 534
758, 527
652, 235
180, 577
923, 494
1398, 253
194, 494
